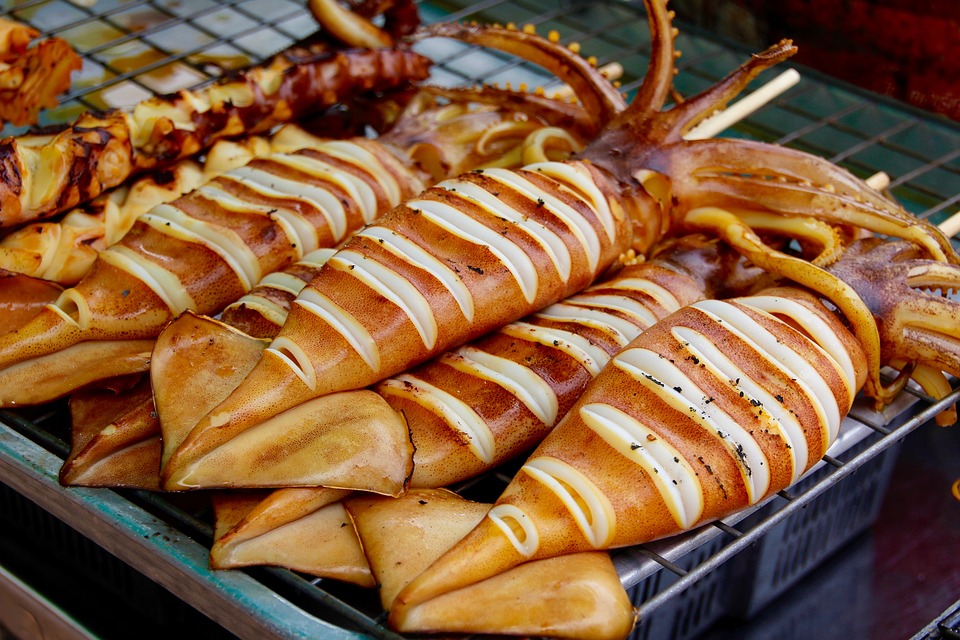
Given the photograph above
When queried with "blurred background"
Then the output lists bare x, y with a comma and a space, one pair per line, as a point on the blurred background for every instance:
900, 48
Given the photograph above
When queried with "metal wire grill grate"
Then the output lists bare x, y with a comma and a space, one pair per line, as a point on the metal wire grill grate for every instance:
134, 49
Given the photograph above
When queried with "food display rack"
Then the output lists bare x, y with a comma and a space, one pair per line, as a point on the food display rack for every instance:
126, 543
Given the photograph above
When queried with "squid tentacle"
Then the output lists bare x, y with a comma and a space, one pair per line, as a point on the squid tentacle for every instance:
900, 288
658, 81
101, 151
597, 95
686, 115
735, 232
789, 181
569, 116
352, 27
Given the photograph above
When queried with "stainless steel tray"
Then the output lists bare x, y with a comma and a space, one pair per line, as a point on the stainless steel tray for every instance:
132, 49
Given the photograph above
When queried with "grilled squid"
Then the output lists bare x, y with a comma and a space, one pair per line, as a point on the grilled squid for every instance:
254, 220
31, 77
64, 251
100, 151
708, 412
467, 410
674, 433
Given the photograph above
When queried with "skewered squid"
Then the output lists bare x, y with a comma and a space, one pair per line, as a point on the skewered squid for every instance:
677, 431
63, 251
481, 250
100, 151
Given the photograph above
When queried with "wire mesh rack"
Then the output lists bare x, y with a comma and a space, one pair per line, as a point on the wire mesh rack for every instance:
132, 50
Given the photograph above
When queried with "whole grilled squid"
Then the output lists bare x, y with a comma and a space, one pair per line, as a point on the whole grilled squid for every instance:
100, 151
63, 251
708, 412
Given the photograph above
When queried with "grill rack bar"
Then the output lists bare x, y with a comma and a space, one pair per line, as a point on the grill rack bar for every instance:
808, 117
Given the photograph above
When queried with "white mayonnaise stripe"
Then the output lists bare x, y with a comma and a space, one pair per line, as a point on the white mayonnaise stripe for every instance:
618, 329
343, 322
591, 357
503, 514
162, 282
793, 364
264, 306
529, 388
299, 231
550, 242
416, 255
673, 476
620, 303
785, 423
513, 257
358, 190
272, 185
368, 162
588, 506
663, 297
318, 257
454, 411
283, 281
578, 225
392, 286
173, 222
815, 327
293, 355
674, 387
576, 179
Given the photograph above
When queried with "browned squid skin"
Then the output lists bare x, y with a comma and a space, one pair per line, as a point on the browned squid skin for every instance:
606, 316
114, 305
668, 437
104, 308
645, 430
22, 298
97, 457
329, 360
372, 337
101, 151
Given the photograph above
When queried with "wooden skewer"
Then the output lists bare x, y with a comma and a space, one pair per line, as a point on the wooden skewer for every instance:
742, 108
951, 226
